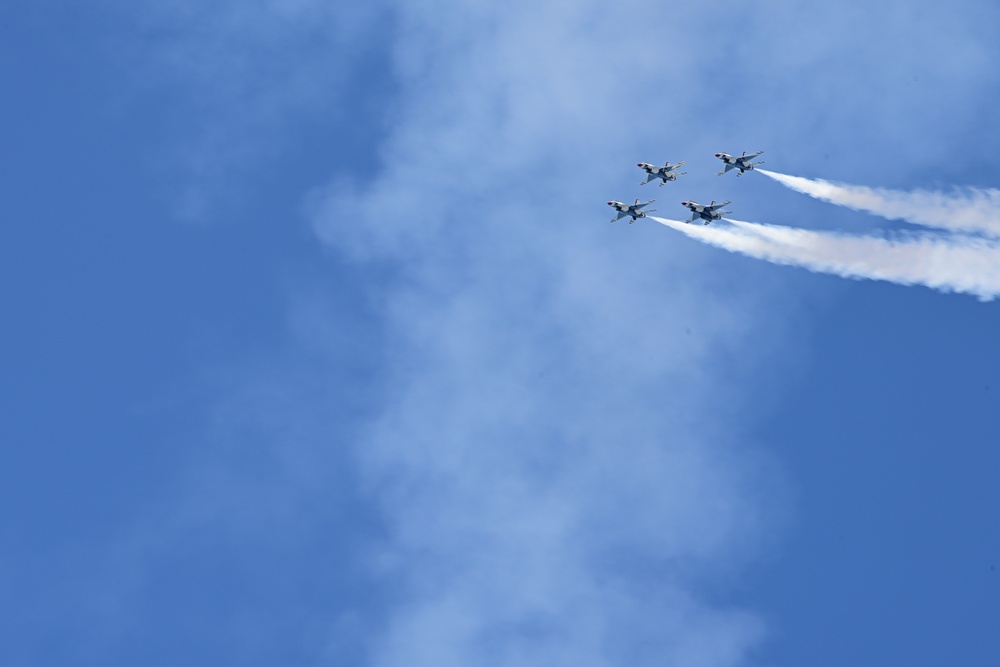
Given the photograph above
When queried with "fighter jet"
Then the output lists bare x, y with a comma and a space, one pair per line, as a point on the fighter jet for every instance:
634, 210
664, 173
706, 213
741, 162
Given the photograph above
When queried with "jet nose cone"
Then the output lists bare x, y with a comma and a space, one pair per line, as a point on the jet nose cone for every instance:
611, 203
639, 164
718, 155
684, 203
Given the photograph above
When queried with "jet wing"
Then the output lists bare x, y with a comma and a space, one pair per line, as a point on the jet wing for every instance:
716, 207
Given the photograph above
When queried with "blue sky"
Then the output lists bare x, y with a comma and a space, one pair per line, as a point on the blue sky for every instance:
318, 347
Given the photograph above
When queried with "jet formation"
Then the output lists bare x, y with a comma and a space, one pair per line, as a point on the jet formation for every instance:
668, 172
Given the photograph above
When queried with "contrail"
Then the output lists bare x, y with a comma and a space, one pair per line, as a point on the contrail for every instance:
949, 264
967, 210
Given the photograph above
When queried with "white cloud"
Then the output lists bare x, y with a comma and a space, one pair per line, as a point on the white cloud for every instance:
553, 459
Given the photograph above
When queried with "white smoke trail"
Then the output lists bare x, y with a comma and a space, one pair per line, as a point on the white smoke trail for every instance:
948, 264
967, 210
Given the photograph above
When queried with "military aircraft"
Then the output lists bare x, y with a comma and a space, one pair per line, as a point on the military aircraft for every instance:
741, 162
707, 213
664, 173
634, 210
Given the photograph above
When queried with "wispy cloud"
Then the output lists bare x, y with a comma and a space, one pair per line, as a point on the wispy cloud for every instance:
946, 263
961, 209
552, 460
